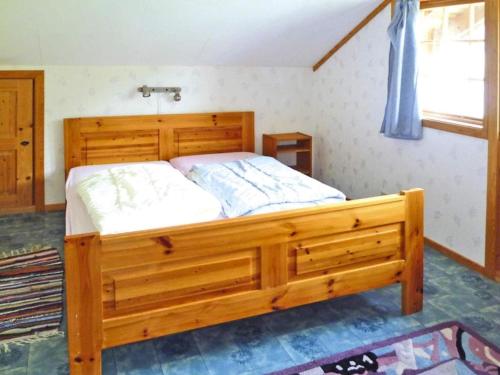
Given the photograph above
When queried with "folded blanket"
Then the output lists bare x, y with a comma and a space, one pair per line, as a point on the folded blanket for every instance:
261, 184
144, 196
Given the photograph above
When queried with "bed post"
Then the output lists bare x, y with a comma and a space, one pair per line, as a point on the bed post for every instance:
413, 279
84, 304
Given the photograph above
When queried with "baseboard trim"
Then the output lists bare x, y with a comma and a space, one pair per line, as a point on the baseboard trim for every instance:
16, 210
55, 207
446, 251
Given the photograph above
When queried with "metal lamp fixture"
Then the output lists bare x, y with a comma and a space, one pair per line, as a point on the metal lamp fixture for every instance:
146, 91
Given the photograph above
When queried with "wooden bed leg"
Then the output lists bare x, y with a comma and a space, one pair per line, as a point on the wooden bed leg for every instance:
413, 280
84, 304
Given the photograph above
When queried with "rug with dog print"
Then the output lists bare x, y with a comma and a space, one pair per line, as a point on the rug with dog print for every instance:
447, 348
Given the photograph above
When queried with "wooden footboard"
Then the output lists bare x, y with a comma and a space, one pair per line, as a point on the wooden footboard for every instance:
136, 286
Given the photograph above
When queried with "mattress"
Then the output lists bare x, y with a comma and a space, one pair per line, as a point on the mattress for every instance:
78, 220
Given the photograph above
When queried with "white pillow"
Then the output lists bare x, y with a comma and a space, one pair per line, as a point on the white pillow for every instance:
185, 163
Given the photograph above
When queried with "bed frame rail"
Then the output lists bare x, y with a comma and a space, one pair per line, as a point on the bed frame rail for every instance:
132, 287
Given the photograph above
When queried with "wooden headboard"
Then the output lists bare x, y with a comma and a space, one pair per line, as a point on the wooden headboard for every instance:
116, 139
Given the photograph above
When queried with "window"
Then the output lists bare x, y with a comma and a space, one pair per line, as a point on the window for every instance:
452, 65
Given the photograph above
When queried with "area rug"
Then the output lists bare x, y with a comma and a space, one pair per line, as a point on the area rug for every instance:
31, 285
448, 348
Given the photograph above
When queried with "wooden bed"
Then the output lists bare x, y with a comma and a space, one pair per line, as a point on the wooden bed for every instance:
136, 286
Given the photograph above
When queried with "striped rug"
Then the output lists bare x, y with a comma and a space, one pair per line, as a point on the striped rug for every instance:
31, 285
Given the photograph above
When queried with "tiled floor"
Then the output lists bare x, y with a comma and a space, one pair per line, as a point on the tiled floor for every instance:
269, 342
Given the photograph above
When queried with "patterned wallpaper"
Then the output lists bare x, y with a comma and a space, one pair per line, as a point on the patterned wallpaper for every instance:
342, 105
278, 96
349, 94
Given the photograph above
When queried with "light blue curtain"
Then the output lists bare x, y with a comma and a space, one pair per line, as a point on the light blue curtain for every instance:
403, 117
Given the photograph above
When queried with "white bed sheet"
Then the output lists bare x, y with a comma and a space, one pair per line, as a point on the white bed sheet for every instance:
78, 220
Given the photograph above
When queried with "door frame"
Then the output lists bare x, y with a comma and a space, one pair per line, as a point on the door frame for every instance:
38, 77
492, 262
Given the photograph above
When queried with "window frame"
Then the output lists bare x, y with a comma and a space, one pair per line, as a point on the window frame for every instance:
454, 123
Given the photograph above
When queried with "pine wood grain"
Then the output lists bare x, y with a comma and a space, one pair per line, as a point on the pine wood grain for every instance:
352, 33
298, 143
37, 133
118, 139
413, 284
84, 304
130, 287
16, 144
158, 282
424, 4
163, 321
492, 13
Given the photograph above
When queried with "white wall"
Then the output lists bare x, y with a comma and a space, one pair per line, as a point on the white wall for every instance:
349, 100
279, 97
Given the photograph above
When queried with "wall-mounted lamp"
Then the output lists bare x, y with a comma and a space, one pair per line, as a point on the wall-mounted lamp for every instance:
146, 91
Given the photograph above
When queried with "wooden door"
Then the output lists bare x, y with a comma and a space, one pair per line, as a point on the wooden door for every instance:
16, 143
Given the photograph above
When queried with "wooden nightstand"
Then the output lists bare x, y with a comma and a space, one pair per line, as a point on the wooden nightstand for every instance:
298, 143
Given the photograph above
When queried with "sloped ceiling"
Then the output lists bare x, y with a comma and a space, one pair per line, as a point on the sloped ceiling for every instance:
174, 32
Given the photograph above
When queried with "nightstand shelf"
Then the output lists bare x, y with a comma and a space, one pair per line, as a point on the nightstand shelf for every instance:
292, 148
286, 143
